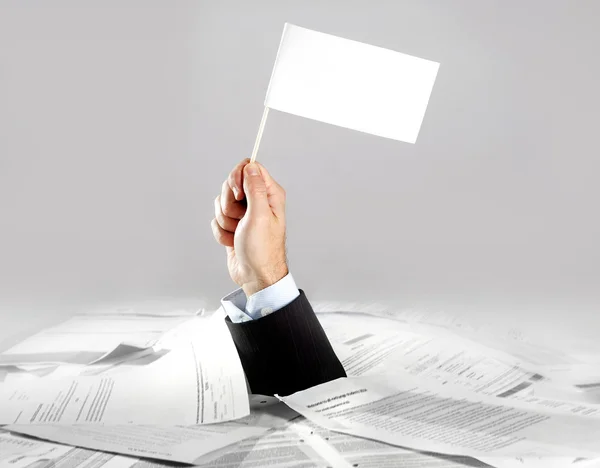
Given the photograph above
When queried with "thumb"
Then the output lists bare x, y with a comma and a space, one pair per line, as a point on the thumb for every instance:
256, 191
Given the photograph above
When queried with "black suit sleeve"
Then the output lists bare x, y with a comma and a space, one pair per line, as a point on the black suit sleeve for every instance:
285, 351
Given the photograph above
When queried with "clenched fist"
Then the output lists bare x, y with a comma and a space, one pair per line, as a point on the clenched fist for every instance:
250, 222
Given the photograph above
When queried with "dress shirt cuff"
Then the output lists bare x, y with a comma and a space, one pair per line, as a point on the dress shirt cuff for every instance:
264, 302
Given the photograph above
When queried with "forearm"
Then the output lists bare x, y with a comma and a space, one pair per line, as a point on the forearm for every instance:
285, 351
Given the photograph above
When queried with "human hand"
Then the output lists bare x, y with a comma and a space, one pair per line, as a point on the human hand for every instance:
250, 222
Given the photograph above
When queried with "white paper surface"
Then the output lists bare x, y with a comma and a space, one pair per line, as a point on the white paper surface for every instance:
573, 377
86, 339
418, 413
303, 444
372, 345
184, 444
350, 84
200, 381
21, 452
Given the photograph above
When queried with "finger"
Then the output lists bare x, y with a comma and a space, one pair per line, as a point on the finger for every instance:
275, 192
227, 223
221, 235
256, 192
235, 179
268, 178
229, 206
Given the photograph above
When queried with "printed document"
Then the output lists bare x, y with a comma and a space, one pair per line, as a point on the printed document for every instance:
199, 381
425, 415
371, 345
21, 452
185, 444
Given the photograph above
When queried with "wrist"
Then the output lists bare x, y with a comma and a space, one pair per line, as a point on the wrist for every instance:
263, 281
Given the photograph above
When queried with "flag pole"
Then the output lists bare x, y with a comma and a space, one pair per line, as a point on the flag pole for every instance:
259, 136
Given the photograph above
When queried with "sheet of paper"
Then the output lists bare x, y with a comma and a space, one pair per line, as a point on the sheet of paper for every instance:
86, 339
367, 453
14, 374
464, 325
199, 381
351, 451
300, 444
21, 452
184, 444
368, 345
511, 345
14, 448
536, 462
303, 444
510, 340
286, 447
350, 84
422, 414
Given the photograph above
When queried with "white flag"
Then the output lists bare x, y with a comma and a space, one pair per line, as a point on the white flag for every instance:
350, 84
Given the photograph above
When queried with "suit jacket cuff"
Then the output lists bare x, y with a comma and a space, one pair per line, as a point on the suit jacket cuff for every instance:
287, 351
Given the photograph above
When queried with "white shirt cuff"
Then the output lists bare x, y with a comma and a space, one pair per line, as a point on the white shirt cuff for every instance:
264, 302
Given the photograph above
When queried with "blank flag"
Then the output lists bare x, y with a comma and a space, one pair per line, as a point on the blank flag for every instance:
350, 84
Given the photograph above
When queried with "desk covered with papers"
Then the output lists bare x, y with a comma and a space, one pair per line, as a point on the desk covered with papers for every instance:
169, 390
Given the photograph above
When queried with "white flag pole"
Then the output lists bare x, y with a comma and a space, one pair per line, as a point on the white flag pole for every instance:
259, 136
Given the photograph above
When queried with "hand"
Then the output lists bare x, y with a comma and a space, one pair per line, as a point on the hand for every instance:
250, 222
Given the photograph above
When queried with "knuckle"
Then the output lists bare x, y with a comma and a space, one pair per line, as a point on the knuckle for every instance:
220, 220
230, 180
225, 187
256, 188
228, 210
226, 223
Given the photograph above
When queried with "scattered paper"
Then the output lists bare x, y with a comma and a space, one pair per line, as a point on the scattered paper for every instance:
200, 381
373, 345
301, 444
573, 376
86, 339
425, 415
21, 452
185, 444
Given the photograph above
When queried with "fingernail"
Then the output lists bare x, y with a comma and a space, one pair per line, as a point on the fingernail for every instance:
235, 192
252, 169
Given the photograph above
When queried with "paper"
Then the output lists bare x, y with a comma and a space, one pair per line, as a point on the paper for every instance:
418, 413
301, 444
287, 447
200, 381
14, 448
369, 345
350, 84
536, 462
21, 452
87, 339
569, 373
184, 444
509, 340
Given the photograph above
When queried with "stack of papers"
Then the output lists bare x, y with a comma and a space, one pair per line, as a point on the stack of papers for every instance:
420, 392
156, 394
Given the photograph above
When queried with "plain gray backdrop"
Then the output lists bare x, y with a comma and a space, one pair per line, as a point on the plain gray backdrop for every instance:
119, 120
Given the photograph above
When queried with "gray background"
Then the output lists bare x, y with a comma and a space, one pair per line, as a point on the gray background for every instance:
120, 119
